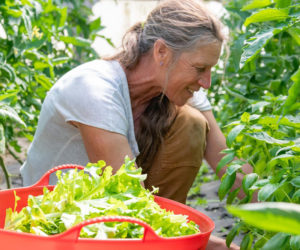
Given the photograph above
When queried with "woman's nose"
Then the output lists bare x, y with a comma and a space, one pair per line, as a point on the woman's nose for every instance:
205, 79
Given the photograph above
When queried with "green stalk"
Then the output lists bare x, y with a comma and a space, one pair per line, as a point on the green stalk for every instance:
13, 154
235, 94
7, 178
288, 197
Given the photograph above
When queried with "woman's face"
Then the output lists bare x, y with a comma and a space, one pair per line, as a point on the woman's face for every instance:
191, 72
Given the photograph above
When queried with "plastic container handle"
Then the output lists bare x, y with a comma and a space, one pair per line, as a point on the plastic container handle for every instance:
44, 181
74, 232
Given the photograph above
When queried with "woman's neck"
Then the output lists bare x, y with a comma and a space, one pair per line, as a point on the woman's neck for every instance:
143, 85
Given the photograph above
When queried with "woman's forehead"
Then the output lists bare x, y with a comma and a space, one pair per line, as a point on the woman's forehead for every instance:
206, 55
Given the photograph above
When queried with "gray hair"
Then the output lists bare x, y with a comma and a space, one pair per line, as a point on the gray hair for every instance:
181, 24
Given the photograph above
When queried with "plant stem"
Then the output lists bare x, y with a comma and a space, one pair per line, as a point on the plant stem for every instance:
235, 94
7, 178
13, 154
267, 151
287, 196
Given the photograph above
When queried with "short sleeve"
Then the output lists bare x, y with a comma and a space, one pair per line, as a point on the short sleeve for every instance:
200, 101
92, 99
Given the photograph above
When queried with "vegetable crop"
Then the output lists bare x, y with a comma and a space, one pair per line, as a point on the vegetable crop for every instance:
94, 192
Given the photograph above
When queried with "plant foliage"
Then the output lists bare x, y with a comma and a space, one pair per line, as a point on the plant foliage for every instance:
261, 122
40, 41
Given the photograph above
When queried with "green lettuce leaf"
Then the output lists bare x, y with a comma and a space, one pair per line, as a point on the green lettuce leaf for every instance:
95, 192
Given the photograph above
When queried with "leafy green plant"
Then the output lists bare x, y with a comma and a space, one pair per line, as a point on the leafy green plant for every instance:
7, 116
280, 217
95, 192
263, 55
257, 101
40, 41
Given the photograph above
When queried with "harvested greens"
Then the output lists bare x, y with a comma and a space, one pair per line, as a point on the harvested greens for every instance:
94, 192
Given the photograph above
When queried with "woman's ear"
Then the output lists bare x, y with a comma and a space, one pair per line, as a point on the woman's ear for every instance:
161, 53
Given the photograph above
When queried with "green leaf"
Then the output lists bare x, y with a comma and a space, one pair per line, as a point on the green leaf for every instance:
231, 196
27, 2
227, 182
77, 41
254, 4
9, 70
278, 160
40, 65
231, 235
267, 15
224, 161
291, 121
260, 242
96, 25
237, 50
296, 195
60, 60
259, 105
295, 242
44, 81
9, 113
278, 241
63, 16
295, 33
245, 118
27, 23
270, 216
260, 183
255, 43
294, 92
233, 134
263, 136
12, 12
282, 3
232, 169
247, 242
296, 181
248, 181
8, 94
266, 191
2, 140
254, 46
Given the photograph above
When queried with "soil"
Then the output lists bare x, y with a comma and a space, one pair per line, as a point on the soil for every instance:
209, 191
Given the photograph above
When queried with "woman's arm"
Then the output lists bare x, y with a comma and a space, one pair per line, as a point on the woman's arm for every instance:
216, 142
104, 145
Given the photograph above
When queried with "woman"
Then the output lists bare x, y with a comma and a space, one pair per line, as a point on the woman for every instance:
143, 102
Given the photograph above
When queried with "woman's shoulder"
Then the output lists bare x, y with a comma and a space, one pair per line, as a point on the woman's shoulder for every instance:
100, 68
93, 75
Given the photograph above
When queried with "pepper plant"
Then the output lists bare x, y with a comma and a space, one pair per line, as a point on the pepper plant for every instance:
257, 100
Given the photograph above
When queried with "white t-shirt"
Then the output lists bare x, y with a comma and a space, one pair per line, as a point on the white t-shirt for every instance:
96, 94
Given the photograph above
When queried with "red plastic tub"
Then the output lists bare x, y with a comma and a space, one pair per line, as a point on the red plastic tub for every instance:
69, 239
